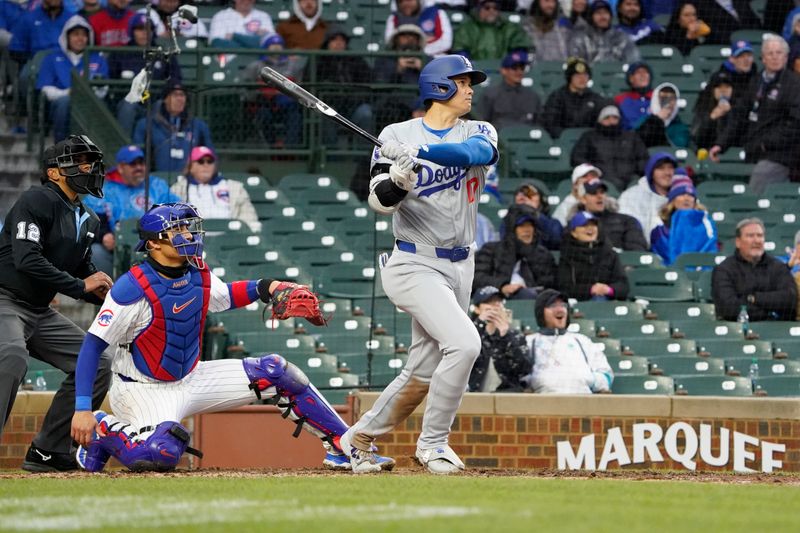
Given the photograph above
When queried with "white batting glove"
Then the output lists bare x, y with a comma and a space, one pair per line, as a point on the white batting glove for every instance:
406, 163
405, 179
393, 149
138, 86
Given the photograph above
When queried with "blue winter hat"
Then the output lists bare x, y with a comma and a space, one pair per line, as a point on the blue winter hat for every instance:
582, 218
681, 184
273, 38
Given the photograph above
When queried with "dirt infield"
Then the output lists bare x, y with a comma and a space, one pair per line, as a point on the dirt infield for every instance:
628, 475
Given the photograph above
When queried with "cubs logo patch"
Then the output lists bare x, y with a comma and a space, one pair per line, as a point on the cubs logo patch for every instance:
224, 195
428, 26
105, 317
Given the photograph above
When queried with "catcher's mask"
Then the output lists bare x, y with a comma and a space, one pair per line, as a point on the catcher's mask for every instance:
178, 216
80, 161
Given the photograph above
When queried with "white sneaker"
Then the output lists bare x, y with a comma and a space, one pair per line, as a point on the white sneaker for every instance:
440, 460
361, 461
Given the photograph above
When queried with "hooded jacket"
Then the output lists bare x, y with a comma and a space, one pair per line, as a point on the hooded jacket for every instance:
482, 40
621, 231
301, 31
621, 155
495, 261
598, 46
642, 30
55, 73
550, 39
434, 23
37, 31
769, 281
582, 264
739, 80
131, 63
633, 104
641, 201
548, 229
567, 109
657, 132
508, 353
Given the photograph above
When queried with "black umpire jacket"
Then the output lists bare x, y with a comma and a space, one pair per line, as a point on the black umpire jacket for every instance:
45, 247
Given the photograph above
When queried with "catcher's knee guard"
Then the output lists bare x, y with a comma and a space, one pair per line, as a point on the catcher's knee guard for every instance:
305, 404
161, 451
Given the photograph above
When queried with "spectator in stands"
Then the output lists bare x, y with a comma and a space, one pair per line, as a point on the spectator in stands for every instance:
240, 26
685, 30
766, 121
576, 15
662, 126
580, 174
794, 264
620, 231
484, 230
123, 198
644, 200
10, 13
712, 110
564, 362
507, 102
588, 267
163, 10
632, 20
175, 131
272, 108
741, 68
725, 17
574, 105
753, 278
634, 104
486, 35
775, 13
432, 21
503, 360
55, 74
305, 28
518, 265
791, 32
550, 39
343, 74
653, 8
528, 197
203, 186
599, 42
90, 7
392, 105
126, 65
686, 225
620, 155
110, 24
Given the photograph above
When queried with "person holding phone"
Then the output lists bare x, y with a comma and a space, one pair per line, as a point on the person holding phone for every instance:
503, 360
712, 110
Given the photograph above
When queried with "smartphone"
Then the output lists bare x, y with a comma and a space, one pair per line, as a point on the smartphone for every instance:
509, 314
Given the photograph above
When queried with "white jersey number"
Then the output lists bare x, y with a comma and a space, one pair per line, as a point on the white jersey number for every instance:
28, 231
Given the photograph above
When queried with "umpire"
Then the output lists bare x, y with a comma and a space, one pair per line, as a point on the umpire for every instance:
45, 248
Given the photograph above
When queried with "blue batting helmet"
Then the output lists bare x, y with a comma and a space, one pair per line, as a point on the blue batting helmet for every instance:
162, 217
436, 79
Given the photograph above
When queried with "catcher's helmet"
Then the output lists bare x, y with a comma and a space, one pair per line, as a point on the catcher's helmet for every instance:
436, 79
162, 217
69, 156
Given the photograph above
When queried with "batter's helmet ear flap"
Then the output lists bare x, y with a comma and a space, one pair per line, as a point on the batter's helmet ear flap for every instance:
436, 79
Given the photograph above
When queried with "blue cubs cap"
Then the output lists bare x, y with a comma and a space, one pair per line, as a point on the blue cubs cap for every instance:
128, 154
582, 218
517, 57
273, 38
739, 47
485, 293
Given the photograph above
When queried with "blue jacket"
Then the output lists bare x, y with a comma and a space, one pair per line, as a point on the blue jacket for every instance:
121, 202
641, 30
691, 230
10, 14
173, 139
37, 31
56, 69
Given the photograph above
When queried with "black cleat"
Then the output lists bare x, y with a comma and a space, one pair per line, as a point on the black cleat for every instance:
38, 460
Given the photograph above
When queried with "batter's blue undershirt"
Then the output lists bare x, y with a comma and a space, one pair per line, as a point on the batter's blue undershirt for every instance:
477, 150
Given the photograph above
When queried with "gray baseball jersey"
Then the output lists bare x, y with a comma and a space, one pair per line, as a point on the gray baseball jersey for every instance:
442, 208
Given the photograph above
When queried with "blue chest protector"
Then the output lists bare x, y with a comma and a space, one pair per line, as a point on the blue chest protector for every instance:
168, 348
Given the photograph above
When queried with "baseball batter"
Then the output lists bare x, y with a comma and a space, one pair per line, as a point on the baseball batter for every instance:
153, 318
429, 174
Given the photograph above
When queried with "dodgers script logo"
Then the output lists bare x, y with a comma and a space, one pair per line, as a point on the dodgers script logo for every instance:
442, 178
105, 317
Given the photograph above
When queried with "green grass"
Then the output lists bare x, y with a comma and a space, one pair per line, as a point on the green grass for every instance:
420, 503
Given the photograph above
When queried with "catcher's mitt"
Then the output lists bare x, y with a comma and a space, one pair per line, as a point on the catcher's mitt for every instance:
293, 300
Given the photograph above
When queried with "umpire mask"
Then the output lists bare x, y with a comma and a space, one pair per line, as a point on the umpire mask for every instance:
80, 161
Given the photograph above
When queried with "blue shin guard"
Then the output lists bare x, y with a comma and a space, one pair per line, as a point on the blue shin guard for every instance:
306, 405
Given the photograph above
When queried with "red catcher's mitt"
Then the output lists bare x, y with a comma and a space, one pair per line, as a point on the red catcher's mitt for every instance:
293, 300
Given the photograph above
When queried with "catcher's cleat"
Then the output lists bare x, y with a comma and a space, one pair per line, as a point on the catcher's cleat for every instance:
440, 460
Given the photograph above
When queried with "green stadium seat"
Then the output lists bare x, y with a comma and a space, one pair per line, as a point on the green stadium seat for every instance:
695, 262
582, 325
780, 191
569, 137
357, 344
640, 260
787, 348
779, 367
714, 191
624, 328
295, 184
714, 386
702, 287
345, 281
708, 57
688, 366
659, 52
352, 324
657, 348
319, 198
225, 226
316, 261
610, 347
611, 309
653, 385
753, 35
365, 243
727, 348
292, 347
698, 328
628, 366
778, 386
774, 331
681, 310
667, 285
740, 366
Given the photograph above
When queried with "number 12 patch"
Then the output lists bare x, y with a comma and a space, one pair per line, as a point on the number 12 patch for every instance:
28, 231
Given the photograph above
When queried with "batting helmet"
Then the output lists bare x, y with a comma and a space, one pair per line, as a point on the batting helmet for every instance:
436, 79
72, 157
162, 217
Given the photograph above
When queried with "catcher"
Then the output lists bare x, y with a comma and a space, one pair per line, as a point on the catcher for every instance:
153, 317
